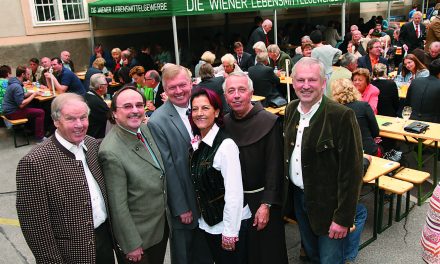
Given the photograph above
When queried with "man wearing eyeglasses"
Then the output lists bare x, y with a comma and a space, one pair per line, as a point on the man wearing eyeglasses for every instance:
98, 107
172, 131
134, 176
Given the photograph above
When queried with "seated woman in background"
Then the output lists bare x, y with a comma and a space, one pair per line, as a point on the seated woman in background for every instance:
344, 92
412, 68
369, 92
388, 103
216, 174
207, 57
137, 73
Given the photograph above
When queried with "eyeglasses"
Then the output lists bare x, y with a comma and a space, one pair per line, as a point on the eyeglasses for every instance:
130, 106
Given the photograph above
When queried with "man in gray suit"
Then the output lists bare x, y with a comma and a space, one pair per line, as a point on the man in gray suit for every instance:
172, 132
134, 177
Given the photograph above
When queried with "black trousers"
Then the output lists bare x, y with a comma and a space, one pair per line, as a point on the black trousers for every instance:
104, 244
152, 255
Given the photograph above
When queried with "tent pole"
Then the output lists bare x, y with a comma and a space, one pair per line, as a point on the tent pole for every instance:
389, 12
343, 20
423, 8
92, 34
275, 26
176, 45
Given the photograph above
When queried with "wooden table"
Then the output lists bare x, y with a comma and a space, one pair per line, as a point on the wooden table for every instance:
256, 98
286, 80
275, 110
432, 134
81, 75
377, 168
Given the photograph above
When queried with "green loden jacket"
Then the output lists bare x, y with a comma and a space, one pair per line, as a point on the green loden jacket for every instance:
331, 161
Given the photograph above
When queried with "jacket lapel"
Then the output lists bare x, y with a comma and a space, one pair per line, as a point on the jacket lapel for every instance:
177, 121
147, 134
136, 146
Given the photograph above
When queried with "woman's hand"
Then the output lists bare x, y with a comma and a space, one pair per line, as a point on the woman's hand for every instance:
135, 255
228, 243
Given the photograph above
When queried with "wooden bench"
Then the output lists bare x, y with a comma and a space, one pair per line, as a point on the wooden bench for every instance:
16, 124
407, 139
414, 176
395, 187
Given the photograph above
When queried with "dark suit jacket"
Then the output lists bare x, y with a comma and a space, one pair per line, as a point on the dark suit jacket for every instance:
136, 188
265, 81
215, 84
246, 61
158, 100
365, 62
174, 143
53, 202
408, 36
331, 161
257, 35
424, 96
98, 114
368, 125
388, 103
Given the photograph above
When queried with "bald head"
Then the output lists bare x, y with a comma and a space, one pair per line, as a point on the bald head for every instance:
434, 49
267, 25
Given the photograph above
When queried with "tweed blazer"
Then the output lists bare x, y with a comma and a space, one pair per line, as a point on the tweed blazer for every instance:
53, 202
136, 188
174, 143
331, 159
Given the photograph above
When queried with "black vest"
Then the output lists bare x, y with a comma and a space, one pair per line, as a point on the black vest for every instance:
208, 182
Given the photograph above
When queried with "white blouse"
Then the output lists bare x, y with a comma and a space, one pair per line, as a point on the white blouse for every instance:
227, 161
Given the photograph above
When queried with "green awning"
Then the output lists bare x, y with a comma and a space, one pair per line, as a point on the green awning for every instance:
197, 7
154, 8
130, 8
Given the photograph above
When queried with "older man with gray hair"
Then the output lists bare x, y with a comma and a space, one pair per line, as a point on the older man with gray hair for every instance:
259, 138
323, 162
61, 194
278, 58
229, 65
98, 107
347, 64
259, 34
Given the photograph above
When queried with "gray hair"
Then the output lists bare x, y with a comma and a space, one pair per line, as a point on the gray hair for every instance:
239, 74
228, 58
61, 100
262, 57
309, 61
96, 80
260, 45
273, 48
380, 70
347, 59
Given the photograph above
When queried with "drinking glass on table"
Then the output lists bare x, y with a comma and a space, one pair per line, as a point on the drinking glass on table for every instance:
406, 113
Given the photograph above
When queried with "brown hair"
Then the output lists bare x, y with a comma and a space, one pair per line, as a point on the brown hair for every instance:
419, 65
362, 72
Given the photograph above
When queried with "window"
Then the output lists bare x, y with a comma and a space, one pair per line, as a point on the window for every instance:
49, 12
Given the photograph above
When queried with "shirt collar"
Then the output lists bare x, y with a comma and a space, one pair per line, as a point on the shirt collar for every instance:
157, 87
129, 131
312, 110
68, 145
209, 138
181, 110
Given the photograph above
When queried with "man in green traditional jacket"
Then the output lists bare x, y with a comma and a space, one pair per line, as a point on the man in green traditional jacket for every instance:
323, 160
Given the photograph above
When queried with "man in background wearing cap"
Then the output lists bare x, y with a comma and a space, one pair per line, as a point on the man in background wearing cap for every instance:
98, 107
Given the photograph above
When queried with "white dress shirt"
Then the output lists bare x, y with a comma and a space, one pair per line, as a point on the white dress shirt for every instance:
295, 160
182, 113
227, 161
98, 205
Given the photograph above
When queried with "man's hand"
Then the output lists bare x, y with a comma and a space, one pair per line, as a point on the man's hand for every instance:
150, 106
261, 217
405, 47
337, 231
164, 97
186, 218
135, 255
47, 74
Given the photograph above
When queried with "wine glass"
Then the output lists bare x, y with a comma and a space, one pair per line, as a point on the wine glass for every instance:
406, 113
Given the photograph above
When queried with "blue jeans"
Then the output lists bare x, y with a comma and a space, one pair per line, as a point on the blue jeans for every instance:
351, 245
320, 249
